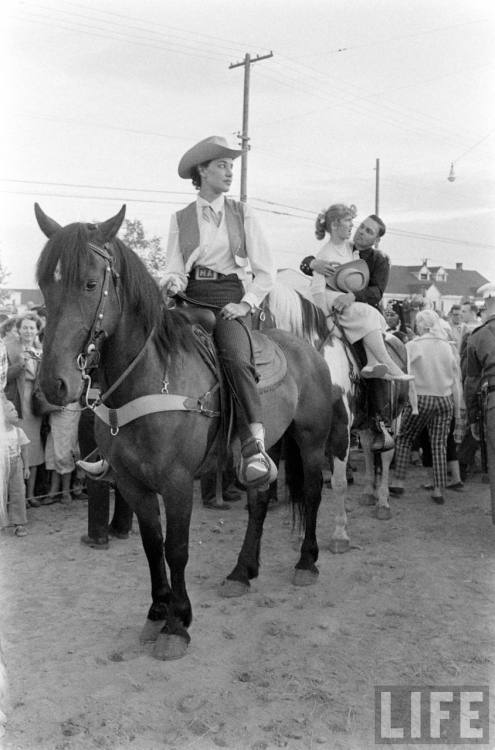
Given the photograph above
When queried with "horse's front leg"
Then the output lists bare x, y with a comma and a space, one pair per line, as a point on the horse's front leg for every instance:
170, 612
248, 561
382, 509
368, 496
339, 541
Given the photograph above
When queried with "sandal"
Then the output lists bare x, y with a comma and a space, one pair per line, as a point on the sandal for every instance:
20, 531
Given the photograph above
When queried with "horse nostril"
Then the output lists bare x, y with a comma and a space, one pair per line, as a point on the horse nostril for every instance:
61, 387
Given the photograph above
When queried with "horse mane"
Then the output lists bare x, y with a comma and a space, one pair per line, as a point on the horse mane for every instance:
292, 311
66, 256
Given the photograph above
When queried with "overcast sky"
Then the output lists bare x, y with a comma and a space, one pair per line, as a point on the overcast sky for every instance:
102, 98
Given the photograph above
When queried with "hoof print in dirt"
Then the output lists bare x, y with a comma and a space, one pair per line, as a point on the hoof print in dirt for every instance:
71, 728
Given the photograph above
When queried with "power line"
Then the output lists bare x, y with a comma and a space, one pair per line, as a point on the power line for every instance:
473, 146
66, 26
93, 124
126, 199
195, 35
437, 238
95, 187
377, 42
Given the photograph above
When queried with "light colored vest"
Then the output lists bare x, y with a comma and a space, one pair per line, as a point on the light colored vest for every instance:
187, 222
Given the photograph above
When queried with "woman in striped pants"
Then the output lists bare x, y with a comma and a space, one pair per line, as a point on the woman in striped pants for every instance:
435, 397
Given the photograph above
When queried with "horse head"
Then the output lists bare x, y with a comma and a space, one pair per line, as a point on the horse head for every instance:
78, 274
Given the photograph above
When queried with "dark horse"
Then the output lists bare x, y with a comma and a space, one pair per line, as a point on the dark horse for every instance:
104, 308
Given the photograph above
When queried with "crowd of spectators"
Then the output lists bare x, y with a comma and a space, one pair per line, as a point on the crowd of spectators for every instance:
39, 440
434, 430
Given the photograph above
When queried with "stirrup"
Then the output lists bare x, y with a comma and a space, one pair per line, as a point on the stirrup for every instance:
404, 377
94, 470
378, 370
256, 468
383, 440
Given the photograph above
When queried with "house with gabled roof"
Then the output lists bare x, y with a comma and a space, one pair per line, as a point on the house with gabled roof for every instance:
439, 287
20, 300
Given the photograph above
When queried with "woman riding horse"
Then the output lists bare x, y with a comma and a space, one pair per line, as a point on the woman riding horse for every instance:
215, 248
338, 261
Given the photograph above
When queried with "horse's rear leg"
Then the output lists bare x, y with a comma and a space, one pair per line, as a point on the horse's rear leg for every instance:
382, 508
248, 562
368, 496
339, 541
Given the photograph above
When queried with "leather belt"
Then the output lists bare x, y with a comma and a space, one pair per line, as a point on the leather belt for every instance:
201, 273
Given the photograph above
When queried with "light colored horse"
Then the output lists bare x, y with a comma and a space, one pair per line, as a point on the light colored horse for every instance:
291, 310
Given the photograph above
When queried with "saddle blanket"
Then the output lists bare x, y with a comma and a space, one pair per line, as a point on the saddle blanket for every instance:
271, 364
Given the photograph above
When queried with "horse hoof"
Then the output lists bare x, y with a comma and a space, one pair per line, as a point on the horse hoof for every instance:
305, 577
168, 647
151, 631
229, 589
339, 546
383, 513
367, 499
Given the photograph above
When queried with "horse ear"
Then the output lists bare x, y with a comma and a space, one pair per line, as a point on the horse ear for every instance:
110, 227
48, 226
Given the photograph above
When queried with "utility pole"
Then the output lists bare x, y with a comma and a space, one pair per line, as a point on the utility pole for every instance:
247, 62
377, 187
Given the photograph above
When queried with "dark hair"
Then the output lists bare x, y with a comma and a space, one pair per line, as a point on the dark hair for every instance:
381, 225
455, 308
195, 175
473, 308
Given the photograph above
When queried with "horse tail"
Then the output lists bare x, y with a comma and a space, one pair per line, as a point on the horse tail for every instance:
294, 479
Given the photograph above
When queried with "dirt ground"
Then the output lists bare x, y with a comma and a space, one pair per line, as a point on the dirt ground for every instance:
411, 604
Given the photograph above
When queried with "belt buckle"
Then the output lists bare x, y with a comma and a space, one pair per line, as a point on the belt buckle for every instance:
205, 273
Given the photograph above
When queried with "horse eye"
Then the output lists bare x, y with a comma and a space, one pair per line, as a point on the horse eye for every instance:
90, 286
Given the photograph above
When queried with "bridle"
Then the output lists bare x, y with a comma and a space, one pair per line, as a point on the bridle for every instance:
89, 358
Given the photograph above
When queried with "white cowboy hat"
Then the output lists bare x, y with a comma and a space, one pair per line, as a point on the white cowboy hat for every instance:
487, 290
214, 147
351, 277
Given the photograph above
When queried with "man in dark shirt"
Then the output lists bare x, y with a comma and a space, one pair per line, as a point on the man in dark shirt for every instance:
365, 236
481, 372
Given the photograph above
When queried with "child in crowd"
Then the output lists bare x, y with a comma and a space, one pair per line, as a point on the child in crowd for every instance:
18, 469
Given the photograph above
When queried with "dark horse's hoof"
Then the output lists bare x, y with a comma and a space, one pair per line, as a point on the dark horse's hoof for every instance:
305, 577
151, 631
339, 546
168, 647
383, 513
367, 499
229, 589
